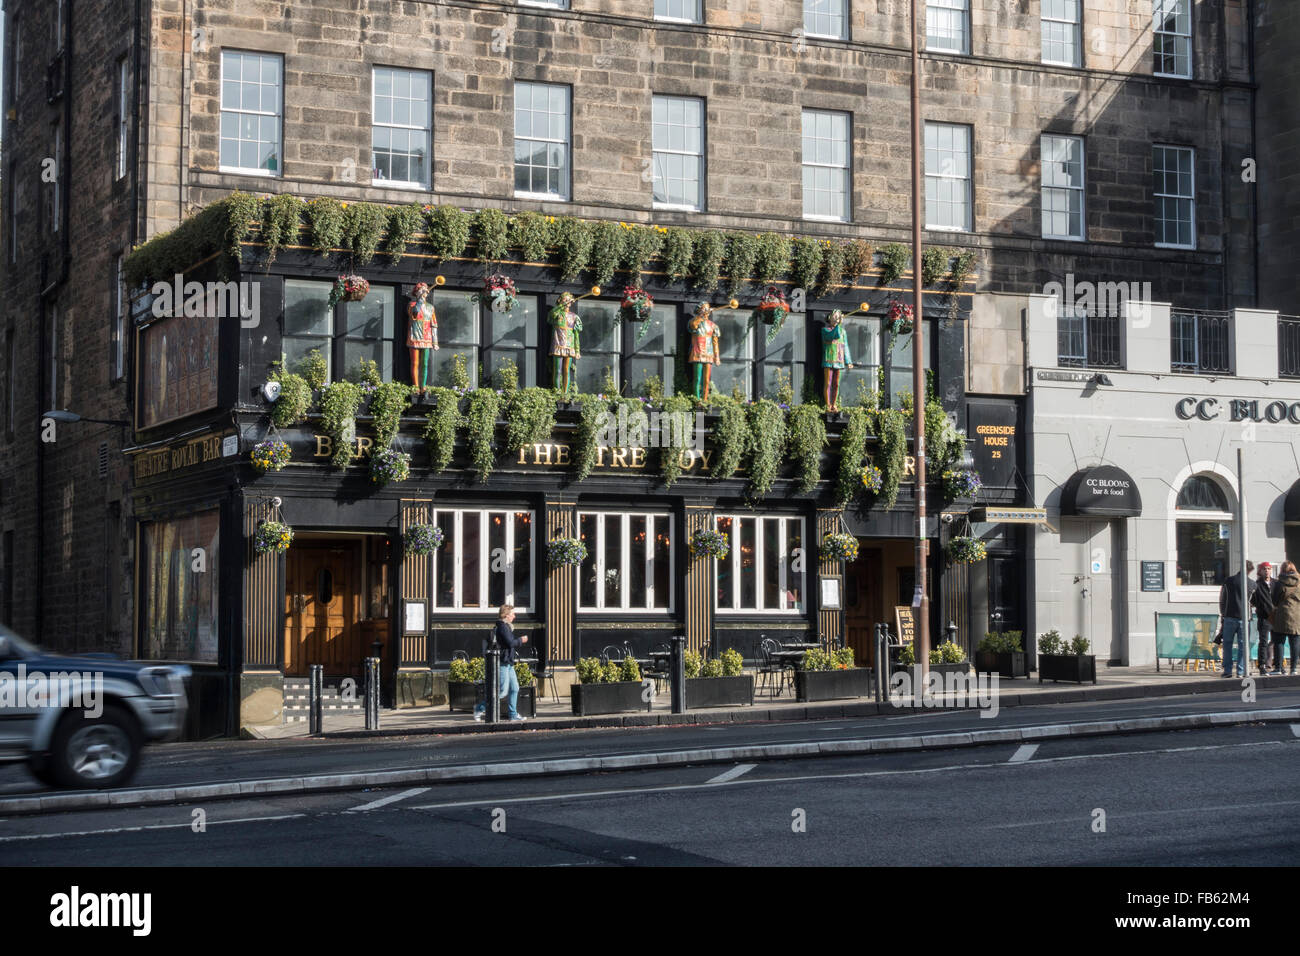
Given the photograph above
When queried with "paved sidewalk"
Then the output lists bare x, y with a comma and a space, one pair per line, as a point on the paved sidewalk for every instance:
1115, 683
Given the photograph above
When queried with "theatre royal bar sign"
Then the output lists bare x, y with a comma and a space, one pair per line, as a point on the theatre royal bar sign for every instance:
1237, 410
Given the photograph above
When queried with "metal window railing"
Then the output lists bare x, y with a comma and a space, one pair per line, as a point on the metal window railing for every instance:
1288, 346
1199, 343
1096, 341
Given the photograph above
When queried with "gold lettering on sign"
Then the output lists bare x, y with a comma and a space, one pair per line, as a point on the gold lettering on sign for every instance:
324, 446
600, 455
909, 466
638, 457
542, 454
562, 456
363, 446
617, 456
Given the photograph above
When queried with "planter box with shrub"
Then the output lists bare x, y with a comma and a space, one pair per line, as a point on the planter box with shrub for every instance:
1002, 654
947, 658
1059, 659
718, 682
607, 688
465, 687
831, 676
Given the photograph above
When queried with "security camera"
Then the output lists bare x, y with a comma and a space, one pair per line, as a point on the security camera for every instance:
271, 391
946, 518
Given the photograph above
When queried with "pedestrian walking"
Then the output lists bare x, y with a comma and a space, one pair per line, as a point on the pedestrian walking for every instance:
1286, 615
1235, 620
1262, 602
503, 636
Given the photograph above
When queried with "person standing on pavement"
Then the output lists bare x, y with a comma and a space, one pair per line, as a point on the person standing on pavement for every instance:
503, 636
1262, 602
1234, 621
1286, 615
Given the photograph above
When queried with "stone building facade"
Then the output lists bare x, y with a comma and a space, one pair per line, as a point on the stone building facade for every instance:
139, 120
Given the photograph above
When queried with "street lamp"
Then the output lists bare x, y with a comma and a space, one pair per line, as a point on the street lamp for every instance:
65, 417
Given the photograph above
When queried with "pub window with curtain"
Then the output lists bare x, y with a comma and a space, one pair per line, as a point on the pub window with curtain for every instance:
344, 335
485, 561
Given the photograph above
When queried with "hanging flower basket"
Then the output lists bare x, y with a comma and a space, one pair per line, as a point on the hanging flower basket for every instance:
565, 551
349, 288
839, 546
271, 455
773, 307
873, 479
900, 318
966, 550
710, 543
389, 465
961, 483
499, 293
272, 537
423, 539
636, 304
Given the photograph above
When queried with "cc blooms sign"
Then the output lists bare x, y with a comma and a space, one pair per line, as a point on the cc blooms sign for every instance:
1237, 410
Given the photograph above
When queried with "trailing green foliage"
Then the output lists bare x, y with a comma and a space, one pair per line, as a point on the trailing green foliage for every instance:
807, 439
280, 216
572, 245
388, 403
730, 436
325, 221
891, 450
767, 441
492, 231
805, 263
338, 403
314, 369
853, 448
607, 239
962, 267
590, 422
678, 252
670, 455
894, 259
773, 256
403, 224
742, 254
710, 247
481, 423
448, 230
934, 263
218, 228
295, 397
835, 257
641, 244
859, 258
530, 417
532, 233
944, 444
440, 430
363, 226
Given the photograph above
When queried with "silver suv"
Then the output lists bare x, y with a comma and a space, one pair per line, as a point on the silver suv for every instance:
82, 721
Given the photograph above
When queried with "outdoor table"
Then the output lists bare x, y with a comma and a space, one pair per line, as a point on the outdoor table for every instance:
794, 657
798, 646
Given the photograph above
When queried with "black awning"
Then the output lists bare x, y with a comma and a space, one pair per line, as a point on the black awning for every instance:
1105, 491
1291, 508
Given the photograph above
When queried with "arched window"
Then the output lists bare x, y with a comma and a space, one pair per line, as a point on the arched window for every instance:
1203, 522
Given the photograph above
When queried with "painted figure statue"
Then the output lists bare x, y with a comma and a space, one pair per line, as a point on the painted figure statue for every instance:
421, 335
705, 347
835, 358
565, 347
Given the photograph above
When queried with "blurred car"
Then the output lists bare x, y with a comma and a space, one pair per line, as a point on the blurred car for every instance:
81, 722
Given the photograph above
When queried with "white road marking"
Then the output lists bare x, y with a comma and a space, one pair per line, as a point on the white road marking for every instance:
152, 826
385, 801
1295, 729
739, 770
496, 801
1150, 813
1026, 752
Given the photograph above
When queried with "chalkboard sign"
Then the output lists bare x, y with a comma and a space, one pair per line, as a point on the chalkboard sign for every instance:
1153, 575
904, 624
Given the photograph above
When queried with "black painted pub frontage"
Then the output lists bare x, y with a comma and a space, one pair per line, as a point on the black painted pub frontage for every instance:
345, 587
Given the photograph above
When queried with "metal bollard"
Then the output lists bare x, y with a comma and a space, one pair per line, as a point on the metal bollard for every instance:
492, 685
372, 693
315, 708
882, 662
677, 674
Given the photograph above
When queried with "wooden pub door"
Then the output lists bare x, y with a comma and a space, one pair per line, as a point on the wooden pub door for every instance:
322, 599
862, 605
